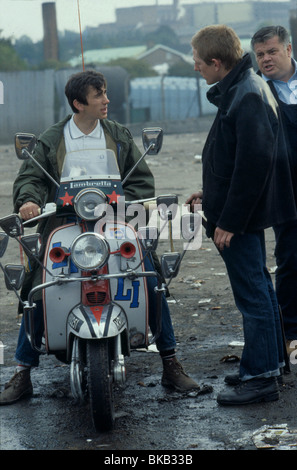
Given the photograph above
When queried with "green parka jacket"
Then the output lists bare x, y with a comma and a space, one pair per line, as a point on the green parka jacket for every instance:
33, 185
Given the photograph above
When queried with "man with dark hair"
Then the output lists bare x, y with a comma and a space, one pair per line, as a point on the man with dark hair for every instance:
88, 127
273, 51
77, 88
246, 188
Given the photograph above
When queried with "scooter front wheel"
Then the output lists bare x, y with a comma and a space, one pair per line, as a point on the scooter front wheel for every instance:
100, 384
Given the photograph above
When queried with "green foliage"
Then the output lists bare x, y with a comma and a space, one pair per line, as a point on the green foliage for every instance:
182, 69
135, 68
70, 46
30, 52
163, 35
52, 64
9, 59
25, 54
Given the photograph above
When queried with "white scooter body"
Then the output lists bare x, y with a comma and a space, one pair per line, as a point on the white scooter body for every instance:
94, 285
124, 307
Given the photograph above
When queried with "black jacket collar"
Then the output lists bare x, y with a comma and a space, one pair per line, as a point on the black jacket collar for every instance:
215, 93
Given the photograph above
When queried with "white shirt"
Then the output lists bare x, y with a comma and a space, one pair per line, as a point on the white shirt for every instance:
75, 139
287, 91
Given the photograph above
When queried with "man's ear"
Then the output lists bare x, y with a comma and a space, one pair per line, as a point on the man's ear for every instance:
289, 50
79, 106
217, 63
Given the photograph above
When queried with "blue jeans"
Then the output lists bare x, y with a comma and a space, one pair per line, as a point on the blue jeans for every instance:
27, 356
286, 275
255, 298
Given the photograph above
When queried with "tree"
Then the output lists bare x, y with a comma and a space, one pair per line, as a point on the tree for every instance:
182, 69
9, 59
52, 64
31, 52
135, 68
163, 35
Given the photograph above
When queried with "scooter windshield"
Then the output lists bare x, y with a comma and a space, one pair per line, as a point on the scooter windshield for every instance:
90, 164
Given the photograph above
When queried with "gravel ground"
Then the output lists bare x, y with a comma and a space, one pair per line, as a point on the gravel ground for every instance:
208, 328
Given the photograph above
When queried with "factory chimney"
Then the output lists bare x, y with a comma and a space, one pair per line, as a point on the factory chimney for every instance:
50, 33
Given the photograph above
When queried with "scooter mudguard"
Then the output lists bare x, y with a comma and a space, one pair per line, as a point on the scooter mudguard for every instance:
96, 322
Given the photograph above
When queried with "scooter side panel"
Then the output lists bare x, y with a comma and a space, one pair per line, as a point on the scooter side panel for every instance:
130, 294
59, 300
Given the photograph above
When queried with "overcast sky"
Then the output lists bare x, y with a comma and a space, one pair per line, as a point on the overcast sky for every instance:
24, 17
19, 17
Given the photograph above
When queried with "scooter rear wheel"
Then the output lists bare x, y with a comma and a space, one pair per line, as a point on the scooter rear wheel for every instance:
100, 384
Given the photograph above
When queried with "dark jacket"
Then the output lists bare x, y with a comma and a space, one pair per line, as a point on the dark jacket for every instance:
289, 121
247, 184
33, 185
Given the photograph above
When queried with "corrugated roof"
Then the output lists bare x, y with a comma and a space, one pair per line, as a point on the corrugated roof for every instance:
103, 56
147, 52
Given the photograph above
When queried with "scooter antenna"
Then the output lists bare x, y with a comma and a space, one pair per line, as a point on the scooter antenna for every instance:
81, 43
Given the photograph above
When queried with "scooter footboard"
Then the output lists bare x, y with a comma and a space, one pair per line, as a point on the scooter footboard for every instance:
98, 321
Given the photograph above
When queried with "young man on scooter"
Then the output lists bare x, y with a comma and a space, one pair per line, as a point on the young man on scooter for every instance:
86, 128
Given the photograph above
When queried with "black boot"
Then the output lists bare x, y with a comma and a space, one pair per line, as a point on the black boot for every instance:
251, 391
234, 379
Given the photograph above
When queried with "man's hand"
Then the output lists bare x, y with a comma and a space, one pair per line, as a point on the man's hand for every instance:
222, 238
194, 199
29, 210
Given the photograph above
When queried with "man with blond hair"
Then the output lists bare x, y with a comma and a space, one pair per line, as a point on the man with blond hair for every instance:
246, 189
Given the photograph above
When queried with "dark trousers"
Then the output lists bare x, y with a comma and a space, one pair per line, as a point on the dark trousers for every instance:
286, 275
252, 287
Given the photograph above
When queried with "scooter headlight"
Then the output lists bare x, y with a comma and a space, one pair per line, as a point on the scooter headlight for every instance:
86, 202
89, 251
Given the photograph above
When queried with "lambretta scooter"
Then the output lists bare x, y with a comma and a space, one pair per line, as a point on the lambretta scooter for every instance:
94, 289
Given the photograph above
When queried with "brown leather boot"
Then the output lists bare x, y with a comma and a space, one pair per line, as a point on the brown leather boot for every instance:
175, 377
19, 386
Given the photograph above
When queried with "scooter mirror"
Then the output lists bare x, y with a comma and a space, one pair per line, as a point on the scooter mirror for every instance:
22, 142
190, 225
152, 140
12, 225
31, 244
167, 206
3, 243
170, 263
148, 237
14, 277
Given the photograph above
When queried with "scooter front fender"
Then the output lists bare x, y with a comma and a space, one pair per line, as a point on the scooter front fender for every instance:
97, 321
